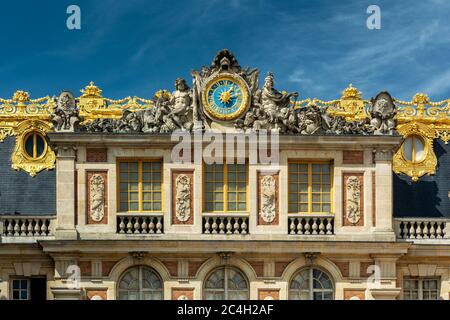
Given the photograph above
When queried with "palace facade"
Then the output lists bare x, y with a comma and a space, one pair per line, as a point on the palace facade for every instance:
224, 189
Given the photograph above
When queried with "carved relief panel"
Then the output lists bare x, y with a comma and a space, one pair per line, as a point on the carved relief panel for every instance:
96, 197
268, 198
353, 184
182, 197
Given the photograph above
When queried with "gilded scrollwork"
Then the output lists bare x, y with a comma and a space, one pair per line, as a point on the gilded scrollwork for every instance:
427, 163
21, 159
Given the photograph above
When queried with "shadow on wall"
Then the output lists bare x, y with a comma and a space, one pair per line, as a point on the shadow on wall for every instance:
429, 197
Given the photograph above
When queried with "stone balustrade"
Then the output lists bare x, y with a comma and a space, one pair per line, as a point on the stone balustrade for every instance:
422, 228
311, 225
22, 226
140, 224
225, 224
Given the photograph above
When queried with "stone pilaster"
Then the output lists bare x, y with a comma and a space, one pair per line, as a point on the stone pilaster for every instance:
65, 193
384, 193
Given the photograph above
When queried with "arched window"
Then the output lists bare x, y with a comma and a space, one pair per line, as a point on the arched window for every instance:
311, 284
34, 144
414, 149
140, 283
226, 283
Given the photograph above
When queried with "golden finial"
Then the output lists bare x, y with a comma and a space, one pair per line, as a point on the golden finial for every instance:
420, 98
91, 91
21, 97
351, 93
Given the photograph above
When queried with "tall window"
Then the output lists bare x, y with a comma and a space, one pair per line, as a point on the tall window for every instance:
140, 185
311, 284
20, 289
140, 283
310, 187
225, 187
226, 283
420, 289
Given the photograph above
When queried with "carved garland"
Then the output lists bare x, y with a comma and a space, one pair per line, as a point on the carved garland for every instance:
353, 199
268, 198
183, 197
97, 197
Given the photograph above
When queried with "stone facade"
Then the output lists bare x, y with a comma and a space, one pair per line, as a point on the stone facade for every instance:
127, 210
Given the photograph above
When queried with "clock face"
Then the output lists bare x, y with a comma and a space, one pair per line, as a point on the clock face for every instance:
225, 97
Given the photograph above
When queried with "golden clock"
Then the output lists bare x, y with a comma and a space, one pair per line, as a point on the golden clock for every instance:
226, 97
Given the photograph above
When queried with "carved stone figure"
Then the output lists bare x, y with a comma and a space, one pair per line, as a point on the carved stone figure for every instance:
353, 199
382, 110
65, 116
272, 100
97, 197
183, 197
181, 102
268, 193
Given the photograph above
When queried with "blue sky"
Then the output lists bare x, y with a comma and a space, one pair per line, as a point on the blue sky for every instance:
314, 47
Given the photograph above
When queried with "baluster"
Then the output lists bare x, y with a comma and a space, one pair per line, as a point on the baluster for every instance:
144, 225
151, 225
37, 228
419, 233
314, 226
244, 226
9, 228
400, 233
137, 225
307, 227
300, 227
122, 225
30, 228
236, 226
23, 228
43, 229
159, 225
432, 231
412, 231
329, 227
425, 230
207, 226
221, 226
214, 225
16, 228
129, 226
321, 227
292, 226
229, 226
439, 230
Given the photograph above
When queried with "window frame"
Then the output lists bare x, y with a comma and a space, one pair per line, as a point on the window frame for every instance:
310, 164
420, 281
28, 289
225, 188
225, 288
141, 291
414, 138
140, 190
311, 289
34, 134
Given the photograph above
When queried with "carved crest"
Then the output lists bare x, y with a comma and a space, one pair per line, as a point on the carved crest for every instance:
353, 199
97, 197
183, 197
268, 198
